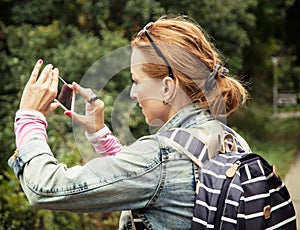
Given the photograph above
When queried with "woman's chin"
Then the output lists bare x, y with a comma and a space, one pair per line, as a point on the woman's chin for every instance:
155, 122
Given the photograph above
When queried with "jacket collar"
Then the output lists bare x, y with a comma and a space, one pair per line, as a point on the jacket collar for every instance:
184, 116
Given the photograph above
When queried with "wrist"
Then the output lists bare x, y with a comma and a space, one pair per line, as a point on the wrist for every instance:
29, 113
95, 137
94, 129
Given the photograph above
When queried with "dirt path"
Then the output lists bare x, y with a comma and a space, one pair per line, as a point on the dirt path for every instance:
292, 182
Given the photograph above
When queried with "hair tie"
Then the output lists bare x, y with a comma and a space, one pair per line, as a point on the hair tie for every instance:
214, 73
210, 81
224, 72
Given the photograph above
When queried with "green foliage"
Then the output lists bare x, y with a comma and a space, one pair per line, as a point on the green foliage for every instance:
288, 75
142, 11
226, 21
268, 39
74, 35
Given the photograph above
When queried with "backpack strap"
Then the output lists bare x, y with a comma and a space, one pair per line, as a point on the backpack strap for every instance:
191, 146
241, 144
200, 149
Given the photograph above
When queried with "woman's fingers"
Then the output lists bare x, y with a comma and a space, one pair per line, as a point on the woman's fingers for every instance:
44, 76
36, 70
41, 90
54, 83
86, 93
93, 120
53, 106
91, 123
77, 117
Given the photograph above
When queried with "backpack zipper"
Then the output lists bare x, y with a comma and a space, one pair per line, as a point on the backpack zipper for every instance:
230, 172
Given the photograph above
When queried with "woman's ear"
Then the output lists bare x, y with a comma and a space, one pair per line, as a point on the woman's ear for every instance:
169, 89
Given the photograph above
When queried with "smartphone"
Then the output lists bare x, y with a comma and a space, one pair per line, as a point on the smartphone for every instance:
65, 96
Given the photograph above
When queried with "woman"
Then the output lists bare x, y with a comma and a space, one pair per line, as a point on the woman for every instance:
179, 82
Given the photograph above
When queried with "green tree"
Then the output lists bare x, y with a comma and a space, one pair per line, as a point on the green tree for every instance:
73, 35
227, 22
267, 39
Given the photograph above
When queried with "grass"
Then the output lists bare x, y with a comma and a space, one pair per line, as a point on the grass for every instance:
289, 108
284, 142
280, 154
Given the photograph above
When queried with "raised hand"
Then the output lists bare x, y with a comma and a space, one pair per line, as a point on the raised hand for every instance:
40, 91
93, 120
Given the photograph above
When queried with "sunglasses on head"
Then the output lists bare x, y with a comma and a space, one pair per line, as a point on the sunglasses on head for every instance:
155, 47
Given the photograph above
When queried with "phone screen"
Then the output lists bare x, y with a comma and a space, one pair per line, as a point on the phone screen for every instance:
65, 96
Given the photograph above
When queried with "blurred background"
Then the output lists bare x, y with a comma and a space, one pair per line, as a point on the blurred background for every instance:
259, 41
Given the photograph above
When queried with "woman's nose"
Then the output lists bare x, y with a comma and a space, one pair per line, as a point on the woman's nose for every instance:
133, 92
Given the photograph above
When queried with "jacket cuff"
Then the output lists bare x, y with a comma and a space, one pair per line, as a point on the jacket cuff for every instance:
99, 136
33, 148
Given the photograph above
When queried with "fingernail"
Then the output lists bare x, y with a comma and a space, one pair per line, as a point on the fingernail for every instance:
68, 113
40, 61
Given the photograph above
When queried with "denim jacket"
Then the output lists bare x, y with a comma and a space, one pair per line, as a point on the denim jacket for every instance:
150, 176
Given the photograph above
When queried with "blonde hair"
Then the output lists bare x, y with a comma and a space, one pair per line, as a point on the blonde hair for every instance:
192, 57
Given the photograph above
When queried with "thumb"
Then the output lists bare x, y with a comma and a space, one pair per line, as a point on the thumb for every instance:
53, 106
75, 116
83, 120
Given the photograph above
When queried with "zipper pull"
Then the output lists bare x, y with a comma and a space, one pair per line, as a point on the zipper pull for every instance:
197, 187
232, 170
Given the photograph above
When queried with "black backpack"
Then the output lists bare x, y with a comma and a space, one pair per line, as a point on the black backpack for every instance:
235, 190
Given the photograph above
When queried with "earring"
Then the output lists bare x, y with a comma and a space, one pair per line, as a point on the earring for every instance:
165, 102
